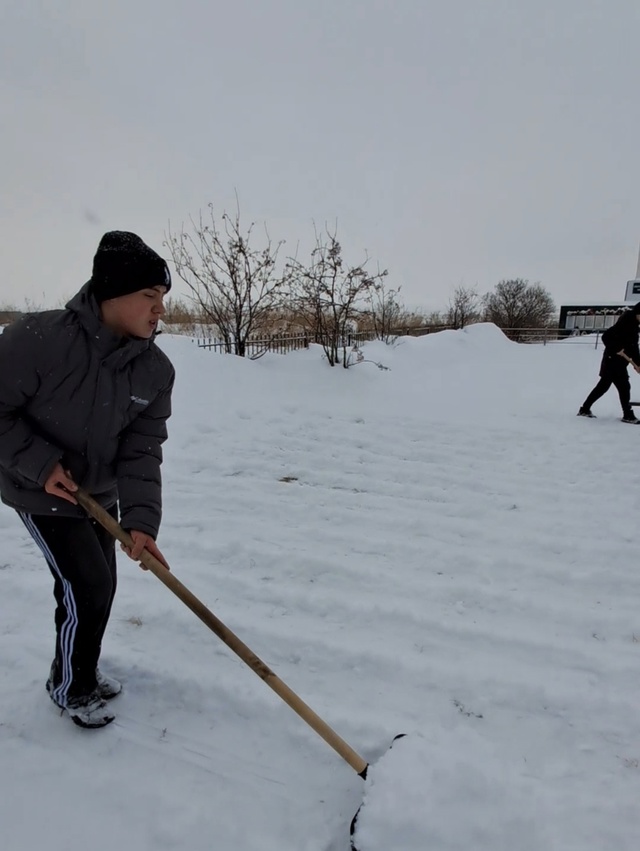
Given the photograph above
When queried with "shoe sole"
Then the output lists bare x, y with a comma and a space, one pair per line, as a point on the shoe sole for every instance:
104, 721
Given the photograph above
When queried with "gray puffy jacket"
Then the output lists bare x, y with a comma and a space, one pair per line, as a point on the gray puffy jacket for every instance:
72, 391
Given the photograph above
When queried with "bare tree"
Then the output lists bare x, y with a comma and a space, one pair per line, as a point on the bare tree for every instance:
464, 308
516, 304
235, 286
329, 295
384, 312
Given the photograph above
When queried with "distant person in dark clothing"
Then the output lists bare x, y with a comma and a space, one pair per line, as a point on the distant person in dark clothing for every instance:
620, 350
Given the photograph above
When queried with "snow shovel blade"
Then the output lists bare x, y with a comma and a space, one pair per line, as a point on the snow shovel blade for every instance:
354, 820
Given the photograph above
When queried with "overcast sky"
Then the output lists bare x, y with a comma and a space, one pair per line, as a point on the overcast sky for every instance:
458, 142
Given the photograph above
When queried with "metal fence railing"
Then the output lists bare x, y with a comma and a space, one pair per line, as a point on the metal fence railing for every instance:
258, 345
255, 347
552, 335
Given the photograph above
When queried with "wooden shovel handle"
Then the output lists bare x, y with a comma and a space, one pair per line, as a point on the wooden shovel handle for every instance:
230, 639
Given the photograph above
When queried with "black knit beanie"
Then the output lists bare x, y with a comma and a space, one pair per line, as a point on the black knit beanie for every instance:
124, 264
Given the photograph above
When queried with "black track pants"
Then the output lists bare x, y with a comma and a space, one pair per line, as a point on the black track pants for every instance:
613, 370
81, 556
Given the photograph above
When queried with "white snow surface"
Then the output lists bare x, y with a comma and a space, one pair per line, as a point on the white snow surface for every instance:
441, 549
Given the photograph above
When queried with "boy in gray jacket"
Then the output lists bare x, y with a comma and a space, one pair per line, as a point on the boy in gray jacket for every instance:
84, 398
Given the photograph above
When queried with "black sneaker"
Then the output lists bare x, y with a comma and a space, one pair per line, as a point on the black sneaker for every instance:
631, 418
585, 412
89, 711
108, 687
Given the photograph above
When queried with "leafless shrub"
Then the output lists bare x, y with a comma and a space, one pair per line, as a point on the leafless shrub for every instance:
235, 286
330, 296
465, 307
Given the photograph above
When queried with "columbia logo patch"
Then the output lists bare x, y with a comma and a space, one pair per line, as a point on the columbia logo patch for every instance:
139, 400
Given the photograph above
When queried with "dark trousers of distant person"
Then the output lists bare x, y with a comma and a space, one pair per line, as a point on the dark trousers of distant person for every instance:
82, 559
613, 370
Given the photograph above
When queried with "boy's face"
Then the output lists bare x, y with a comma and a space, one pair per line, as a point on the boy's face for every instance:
136, 314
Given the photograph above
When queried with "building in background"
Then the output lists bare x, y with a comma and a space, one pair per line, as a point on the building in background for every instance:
588, 318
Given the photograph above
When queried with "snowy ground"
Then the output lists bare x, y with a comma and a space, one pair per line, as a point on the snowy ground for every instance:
442, 549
